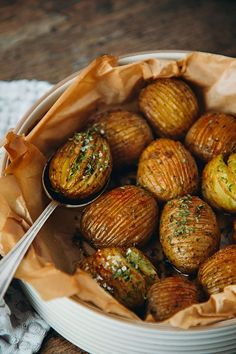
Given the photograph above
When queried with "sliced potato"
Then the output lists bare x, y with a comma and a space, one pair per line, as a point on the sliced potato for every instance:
82, 166
125, 273
170, 106
167, 170
124, 216
211, 135
168, 296
189, 233
219, 183
219, 271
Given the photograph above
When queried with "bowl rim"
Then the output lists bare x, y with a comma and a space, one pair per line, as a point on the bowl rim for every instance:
121, 59
20, 127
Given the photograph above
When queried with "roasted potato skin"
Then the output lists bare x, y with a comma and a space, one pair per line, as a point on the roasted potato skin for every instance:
170, 106
212, 134
127, 134
82, 166
168, 296
189, 233
219, 183
167, 170
219, 271
124, 216
124, 272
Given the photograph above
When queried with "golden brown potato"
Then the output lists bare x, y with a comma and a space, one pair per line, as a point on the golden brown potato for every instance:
167, 170
170, 106
125, 273
168, 296
82, 166
123, 216
219, 183
189, 233
219, 271
127, 134
212, 134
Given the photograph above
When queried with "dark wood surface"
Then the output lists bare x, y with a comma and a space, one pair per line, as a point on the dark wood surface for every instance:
55, 344
48, 40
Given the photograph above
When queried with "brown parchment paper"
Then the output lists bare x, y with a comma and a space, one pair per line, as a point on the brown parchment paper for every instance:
50, 264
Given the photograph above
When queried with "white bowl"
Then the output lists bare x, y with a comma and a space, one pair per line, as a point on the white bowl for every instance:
99, 333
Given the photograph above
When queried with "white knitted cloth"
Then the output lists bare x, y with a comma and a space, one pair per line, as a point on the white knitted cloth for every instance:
16, 97
21, 329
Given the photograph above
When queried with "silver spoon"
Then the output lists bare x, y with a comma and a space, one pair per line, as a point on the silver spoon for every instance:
11, 261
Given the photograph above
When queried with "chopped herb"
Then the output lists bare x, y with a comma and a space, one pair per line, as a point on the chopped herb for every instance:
78, 137
89, 169
198, 211
84, 148
172, 218
181, 217
122, 272
224, 179
105, 148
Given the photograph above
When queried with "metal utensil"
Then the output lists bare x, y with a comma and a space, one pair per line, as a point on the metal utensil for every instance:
11, 261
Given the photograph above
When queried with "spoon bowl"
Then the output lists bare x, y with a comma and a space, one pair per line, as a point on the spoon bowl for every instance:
63, 200
11, 261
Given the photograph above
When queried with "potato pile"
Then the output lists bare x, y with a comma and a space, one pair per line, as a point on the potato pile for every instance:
172, 171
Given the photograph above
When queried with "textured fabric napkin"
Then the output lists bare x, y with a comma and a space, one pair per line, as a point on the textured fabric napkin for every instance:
21, 329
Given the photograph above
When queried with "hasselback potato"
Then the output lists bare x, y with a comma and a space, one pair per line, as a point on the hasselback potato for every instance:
211, 135
167, 170
170, 295
126, 273
127, 134
219, 271
123, 216
219, 182
170, 106
82, 166
188, 232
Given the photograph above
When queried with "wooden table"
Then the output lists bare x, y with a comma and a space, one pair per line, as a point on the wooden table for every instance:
48, 40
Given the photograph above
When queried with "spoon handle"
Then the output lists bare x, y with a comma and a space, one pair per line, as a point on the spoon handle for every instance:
11, 261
